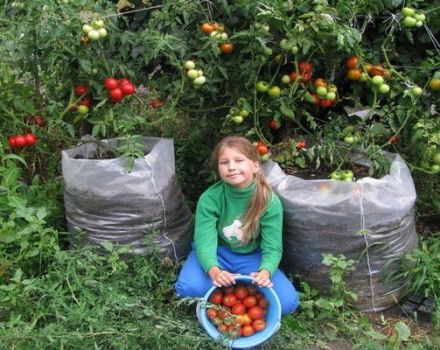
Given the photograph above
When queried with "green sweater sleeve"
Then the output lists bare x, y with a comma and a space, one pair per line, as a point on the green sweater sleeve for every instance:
205, 235
271, 228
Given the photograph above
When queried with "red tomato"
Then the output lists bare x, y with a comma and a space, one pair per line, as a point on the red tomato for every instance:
325, 103
240, 292
273, 124
39, 120
86, 101
207, 28
216, 297
352, 62
30, 139
123, 81
293, 75
128, 88
224, 313
211, 313
252, 290
238, 309
156, 103
228, 290
301, 144
227, 48
229, 299
262, 149
247, 331
394, 139
305, 67
20, 141
12, 141
256, 312
306, 77
250, 301
222, 328
259, 295
80, 90
263, 303
111, 83
116, 95
258, 325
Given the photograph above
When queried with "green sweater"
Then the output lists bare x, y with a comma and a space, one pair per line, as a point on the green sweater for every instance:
218, 214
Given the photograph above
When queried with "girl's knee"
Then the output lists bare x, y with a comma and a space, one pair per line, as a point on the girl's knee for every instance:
289, 304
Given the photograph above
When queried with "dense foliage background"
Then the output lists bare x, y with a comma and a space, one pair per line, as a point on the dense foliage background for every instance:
51, 297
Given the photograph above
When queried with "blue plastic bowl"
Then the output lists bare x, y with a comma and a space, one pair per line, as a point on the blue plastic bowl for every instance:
273, 319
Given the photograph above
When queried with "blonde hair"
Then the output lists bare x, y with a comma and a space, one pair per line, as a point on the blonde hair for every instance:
260, 198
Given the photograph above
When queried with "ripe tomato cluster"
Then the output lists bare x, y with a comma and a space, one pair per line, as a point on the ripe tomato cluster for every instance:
19, 141
238, 311
83, 106
119, 88
304, 74
377, 73
37, 120
325, 95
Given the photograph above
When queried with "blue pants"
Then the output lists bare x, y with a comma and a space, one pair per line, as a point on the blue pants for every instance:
194, 282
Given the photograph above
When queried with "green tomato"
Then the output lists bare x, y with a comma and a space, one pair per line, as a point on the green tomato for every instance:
321, 91
264, 157
419, 24
436, 158
285, 79
416, 91
83, 109
93, 35
294, 50
420, 17
409, 22
408, 11
336, 175
237, 119
384, 88
262, 86
364, 77
347, 175
244, 113
86, 28
377, 80
285, 45
435, 168
267, 51
189, 65
192, 74
199, 80
350, 139
98, 24
274, 91
102, 32
330, 95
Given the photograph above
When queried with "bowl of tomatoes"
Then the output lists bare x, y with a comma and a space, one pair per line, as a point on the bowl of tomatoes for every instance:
241, 316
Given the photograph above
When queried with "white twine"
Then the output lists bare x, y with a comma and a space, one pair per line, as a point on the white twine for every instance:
164, 210
433, 39
364, 232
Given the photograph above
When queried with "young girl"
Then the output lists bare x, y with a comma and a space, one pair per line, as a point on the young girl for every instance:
238, 228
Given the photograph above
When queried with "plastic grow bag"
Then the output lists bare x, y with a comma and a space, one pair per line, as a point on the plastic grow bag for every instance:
370, 221
144, 207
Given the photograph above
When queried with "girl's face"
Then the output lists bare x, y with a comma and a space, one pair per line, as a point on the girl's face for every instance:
235, 168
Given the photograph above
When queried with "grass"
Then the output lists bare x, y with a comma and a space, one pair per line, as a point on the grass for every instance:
86, 300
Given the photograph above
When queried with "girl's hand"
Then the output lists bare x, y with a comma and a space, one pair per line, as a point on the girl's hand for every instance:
262, 278
221, 278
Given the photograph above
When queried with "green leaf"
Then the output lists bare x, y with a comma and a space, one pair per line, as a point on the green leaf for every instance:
402, 330
376, 335
107, 245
